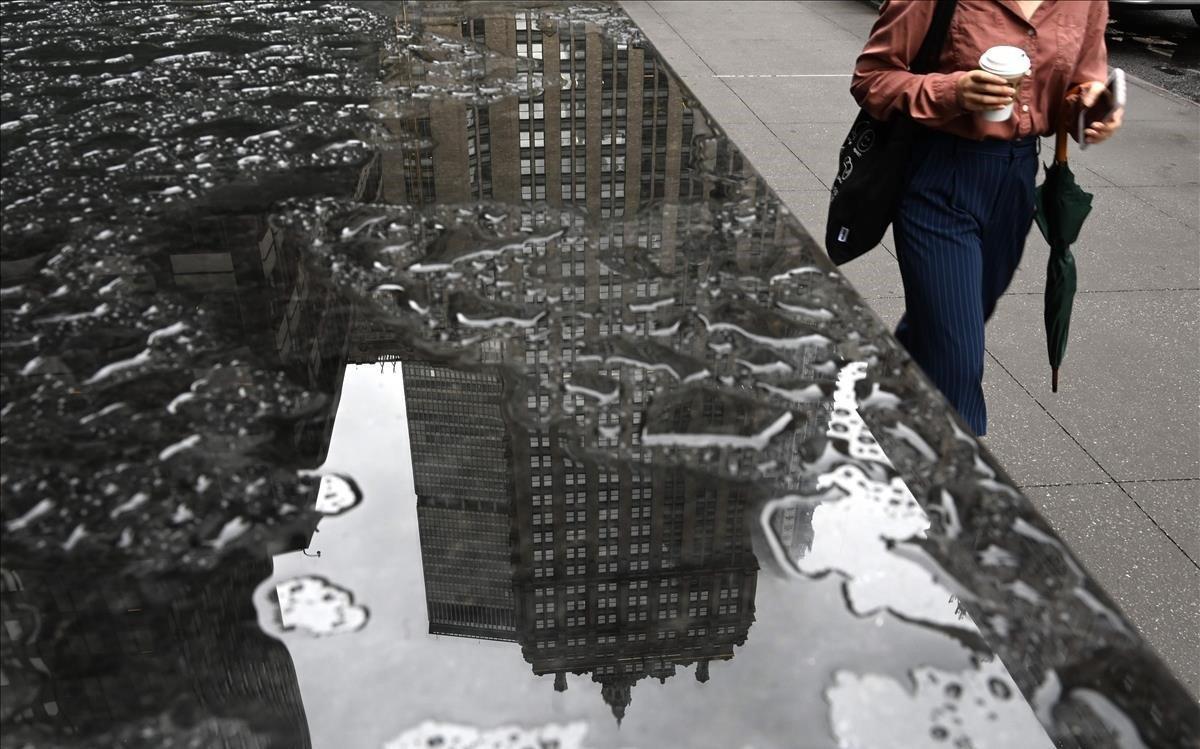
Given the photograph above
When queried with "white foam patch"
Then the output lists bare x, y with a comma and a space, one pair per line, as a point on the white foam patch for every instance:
602, 398
336, 494
791, 343
979, 708
847, 424
753, 441
316, 606
857, 518
851, 536
456, 736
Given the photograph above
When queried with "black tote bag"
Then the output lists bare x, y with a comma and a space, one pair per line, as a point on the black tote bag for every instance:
873, 160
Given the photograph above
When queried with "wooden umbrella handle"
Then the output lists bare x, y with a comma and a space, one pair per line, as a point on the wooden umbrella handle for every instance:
1060, 142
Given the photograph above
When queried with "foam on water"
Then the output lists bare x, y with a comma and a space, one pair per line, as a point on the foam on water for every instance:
979, 708
315, 606
443, 735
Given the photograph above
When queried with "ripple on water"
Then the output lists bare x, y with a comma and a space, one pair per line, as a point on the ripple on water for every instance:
123, 130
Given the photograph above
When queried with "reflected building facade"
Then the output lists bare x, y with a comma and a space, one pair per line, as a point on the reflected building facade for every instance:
464, 486
595, 566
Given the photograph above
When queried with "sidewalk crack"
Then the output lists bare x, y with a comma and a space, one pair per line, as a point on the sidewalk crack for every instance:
1105, 471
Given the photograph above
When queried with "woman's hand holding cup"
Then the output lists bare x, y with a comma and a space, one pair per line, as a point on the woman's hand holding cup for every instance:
981, 91
992, 89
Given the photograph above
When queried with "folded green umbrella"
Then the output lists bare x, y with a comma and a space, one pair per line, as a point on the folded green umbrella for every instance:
1062, 207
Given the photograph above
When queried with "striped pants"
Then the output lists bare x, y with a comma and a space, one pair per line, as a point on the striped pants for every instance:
960, 232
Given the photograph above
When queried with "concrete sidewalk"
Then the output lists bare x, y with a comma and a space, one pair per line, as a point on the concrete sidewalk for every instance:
1113, 459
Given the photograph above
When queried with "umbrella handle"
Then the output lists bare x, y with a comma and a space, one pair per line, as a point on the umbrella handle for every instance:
1060, 142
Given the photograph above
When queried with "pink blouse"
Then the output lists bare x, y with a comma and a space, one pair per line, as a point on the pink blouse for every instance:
1064, 39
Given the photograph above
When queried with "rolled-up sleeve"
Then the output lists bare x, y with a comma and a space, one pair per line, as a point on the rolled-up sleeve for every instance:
882, 82
1093, 54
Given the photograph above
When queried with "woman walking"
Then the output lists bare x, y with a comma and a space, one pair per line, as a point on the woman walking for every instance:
968, 205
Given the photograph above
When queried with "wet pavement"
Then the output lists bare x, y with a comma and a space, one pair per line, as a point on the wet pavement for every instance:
1161, 47
452, 380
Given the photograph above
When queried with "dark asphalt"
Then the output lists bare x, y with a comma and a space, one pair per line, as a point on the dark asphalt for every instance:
1159, 46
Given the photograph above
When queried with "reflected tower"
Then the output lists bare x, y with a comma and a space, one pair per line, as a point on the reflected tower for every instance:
595, 566
461, 455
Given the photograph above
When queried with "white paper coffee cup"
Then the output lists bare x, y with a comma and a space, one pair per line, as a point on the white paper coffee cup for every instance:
1010, 63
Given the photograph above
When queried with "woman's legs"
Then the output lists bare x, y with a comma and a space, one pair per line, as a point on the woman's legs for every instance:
940, 248
1004, 236
960, 232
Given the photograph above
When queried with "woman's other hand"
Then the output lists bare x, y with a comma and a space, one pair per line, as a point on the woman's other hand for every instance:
1098, 132
979, 92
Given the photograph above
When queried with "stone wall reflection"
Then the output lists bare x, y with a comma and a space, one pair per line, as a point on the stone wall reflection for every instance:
92, 654
98, 657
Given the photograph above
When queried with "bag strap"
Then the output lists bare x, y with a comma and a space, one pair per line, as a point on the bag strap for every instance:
935, 38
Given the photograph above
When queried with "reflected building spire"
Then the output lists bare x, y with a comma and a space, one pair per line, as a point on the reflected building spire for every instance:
617, 694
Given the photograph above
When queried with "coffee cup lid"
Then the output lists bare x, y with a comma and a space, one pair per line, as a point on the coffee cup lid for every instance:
1005, 61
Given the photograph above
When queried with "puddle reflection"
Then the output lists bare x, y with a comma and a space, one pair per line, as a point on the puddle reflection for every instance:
625, 371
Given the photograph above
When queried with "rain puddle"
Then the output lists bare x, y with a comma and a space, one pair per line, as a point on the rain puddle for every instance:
370, 378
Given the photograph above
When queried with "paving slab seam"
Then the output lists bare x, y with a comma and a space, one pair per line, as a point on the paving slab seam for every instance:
775, 135
1128, 190
1104, 483
853, 32
1081, 292
792, 151
1156, 207
725, 83
1091, 457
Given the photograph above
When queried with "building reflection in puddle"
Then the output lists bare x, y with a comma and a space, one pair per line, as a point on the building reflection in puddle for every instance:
594, 561
593, 568
614, 352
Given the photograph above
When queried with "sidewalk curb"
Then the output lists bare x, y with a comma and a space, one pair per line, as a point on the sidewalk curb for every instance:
1156, 89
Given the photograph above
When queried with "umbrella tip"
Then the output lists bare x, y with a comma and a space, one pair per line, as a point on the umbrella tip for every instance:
1054, 380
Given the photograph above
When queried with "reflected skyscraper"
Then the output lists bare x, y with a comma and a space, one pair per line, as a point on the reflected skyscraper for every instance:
464, 485
596, 565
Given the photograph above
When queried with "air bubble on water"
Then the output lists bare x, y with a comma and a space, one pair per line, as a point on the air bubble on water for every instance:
182, 445
134, 502
999, 688
77, 535
230, 532
38, 510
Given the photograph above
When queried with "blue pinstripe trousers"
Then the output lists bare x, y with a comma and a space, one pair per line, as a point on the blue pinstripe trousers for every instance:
960, 232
